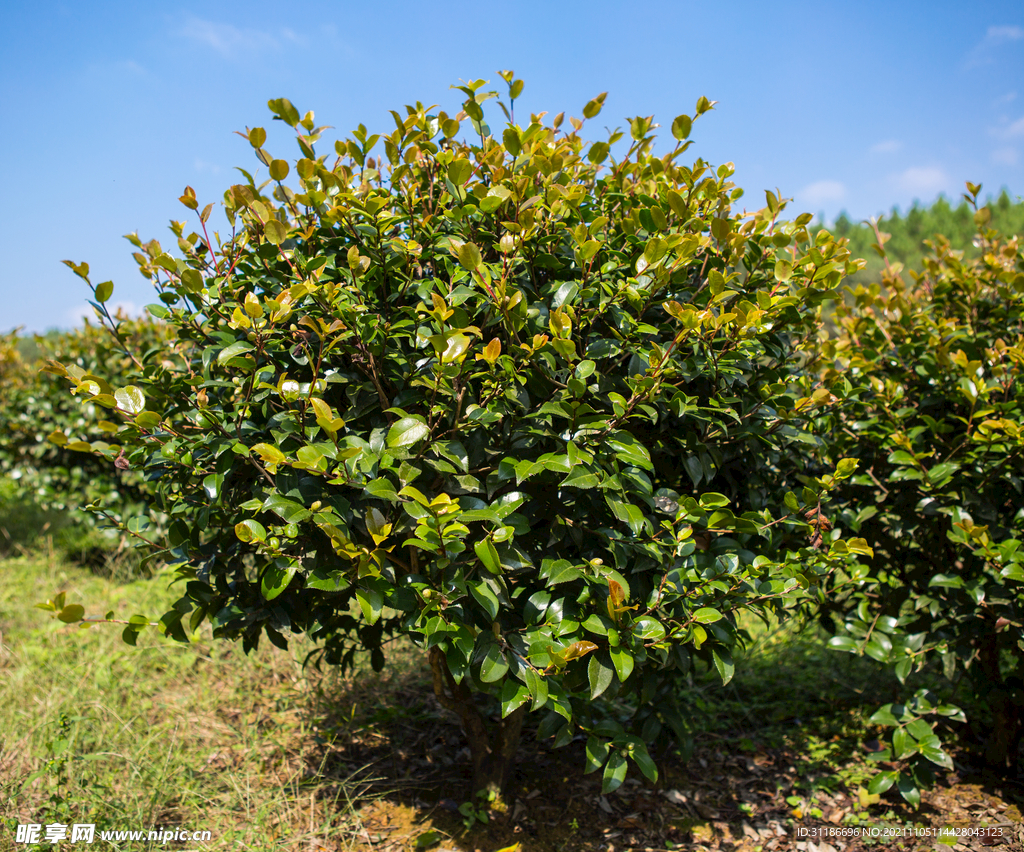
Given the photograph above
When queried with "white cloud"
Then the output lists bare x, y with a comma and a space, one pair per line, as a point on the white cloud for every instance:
1005, 156
203, 166
889, 146
922, 181
1013, 131
77, 315
982, 52
1008, 98
231, 41
822, 192
998, 35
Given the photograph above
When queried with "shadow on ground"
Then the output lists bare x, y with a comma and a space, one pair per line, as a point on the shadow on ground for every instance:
739, 792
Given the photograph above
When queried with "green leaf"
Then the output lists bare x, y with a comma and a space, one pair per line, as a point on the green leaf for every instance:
600, 675
694, 469
596, 753
629, 450
250, 530
902, 745
287, 510
622, 660
406, 432
598, 153
71, 613
269, 453
642, 758
370, 602
279, 169
593, 106
723, 664
712, 500
276, 578
212, 484
882, 782
513, 695
580, 477
283, 109
104, 291
940, 474
647, 627
488, 555
946, 581
511, 140
844, 643
485, 597
494, 666
908, 789
614, 773
681, 127
130, 399
470, 257
327, 581
239, 347
460, 171
538, 686
707, 615
884, 716
381, 489
846, 467
275, 231
937, 756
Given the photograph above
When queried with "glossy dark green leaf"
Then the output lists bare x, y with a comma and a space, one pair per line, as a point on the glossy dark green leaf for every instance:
276, 578
908, 789
614, 773
406, 432
240, 347
486, 598
723, 664
287, 510
370, 602
642, 758
596, 754
538, 686
513, 695
494, 666
600, 675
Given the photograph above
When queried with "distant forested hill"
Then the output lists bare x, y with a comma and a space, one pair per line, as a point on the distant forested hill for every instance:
922, 223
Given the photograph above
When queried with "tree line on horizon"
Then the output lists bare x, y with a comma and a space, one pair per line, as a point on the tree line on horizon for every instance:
908, 232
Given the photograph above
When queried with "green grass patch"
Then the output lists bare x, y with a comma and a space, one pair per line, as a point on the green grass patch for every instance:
200, 737
266, 754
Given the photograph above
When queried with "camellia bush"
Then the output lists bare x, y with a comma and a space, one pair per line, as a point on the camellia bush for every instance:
42, 426
478, 393
936, 421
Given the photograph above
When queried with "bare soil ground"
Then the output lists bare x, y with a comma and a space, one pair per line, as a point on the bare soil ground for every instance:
734, 794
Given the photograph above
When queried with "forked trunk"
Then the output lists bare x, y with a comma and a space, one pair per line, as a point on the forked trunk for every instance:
493, 756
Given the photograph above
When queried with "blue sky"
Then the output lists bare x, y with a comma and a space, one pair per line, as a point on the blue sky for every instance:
110, 109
